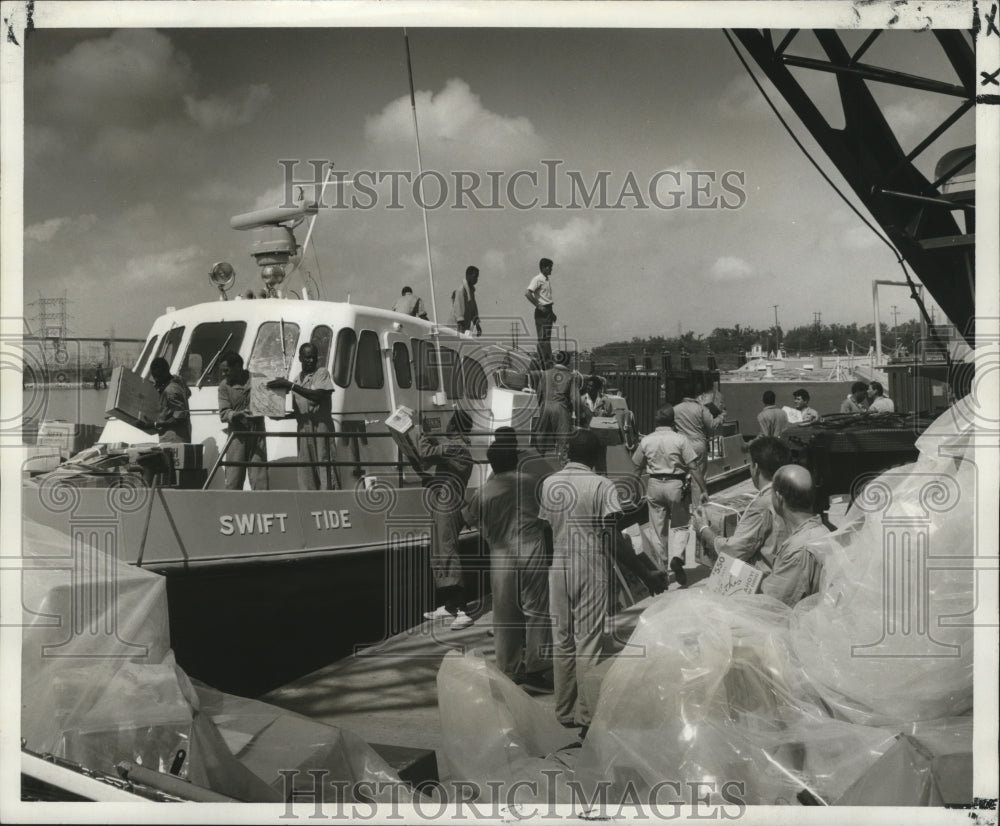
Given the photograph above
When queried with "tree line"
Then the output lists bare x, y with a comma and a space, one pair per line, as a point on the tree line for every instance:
728, 344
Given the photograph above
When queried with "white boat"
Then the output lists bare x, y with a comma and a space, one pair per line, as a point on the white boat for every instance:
302, 574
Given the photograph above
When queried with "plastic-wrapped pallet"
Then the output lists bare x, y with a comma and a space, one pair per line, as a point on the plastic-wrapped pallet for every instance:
99, 686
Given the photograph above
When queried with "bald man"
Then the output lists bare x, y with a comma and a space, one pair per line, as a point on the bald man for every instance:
796, 571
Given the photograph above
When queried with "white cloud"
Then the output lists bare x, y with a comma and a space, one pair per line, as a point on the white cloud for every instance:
494, 262
166, 266
217, 112
455, 124
569, 241
129, 77
729, 268
45, 231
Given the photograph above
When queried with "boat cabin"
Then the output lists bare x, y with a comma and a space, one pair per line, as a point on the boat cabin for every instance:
379, 360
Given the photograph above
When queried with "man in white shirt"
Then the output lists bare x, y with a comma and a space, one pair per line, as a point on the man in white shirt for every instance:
878, 402
539, 293
800, 399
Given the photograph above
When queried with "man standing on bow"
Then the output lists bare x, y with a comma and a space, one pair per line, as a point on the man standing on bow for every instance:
539, 293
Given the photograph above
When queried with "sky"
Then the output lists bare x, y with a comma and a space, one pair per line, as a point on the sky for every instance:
141, 144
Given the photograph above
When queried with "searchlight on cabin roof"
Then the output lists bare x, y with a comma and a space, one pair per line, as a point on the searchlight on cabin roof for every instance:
274, 242
223, 276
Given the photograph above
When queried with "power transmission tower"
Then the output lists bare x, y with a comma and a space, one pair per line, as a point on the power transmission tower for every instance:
51, 316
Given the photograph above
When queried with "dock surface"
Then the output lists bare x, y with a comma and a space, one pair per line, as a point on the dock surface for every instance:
387, 693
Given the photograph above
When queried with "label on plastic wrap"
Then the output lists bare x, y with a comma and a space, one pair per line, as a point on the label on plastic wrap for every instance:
732, 576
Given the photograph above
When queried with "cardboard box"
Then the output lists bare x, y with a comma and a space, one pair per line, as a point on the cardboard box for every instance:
722, 519
185, 456
69, 438
606, 429
132, 398
732, 576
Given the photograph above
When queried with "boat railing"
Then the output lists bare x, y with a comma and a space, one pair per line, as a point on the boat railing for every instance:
354, 461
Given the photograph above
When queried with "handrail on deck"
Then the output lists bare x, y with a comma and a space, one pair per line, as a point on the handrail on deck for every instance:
333, 463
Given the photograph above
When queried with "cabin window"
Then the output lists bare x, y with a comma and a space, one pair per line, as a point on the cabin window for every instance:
368, 367
274, 351
208, 342
147, 351
476, 383
171, 341
450, 373
321, 338
401, 365
343, 356
425, 364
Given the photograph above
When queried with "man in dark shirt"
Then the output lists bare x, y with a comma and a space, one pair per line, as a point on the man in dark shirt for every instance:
505, 509
772, 419
234, 410
464, 311
857, 399
173, 421
452, 462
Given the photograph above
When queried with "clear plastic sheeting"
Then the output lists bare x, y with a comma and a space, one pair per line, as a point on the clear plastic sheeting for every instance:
861, 693
99, 686
711, 693
268, 740
492, 730
889, 639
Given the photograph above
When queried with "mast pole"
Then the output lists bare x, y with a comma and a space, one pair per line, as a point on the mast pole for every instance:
420, 178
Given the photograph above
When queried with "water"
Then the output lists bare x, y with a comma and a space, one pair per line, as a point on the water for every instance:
82, 405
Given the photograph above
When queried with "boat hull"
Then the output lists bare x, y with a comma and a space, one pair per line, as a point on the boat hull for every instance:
266, 586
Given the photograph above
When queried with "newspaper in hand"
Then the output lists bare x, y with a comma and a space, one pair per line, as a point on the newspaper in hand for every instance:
733, 576
265, 401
